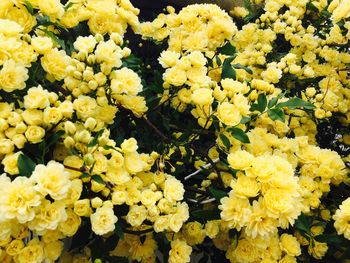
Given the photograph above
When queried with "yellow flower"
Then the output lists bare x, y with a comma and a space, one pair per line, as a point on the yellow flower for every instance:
194, 233
342, 219
18, 199
173, 189
168, 58
246, 252
10, 28
6, 146
175, 76
228, 114
202, 96
103, 220
10, 163
240, 159
290, 245
180, 252
52, 8
137, 214
36, 98
14, 247
52, 179
48, 216
129, 146
53, 250
32, 253
85, 44
125, 81
245, 187
85, 107
55, 63
41, 44
82, 207
13, 76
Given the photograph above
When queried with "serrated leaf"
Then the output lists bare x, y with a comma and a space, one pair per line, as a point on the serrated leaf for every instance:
29, 7
272, 102
240, 135
227, 69
225, 141
328, 238
276, 114
218, 194
25, 165
97, 179
239, 66
227, 49
294, 103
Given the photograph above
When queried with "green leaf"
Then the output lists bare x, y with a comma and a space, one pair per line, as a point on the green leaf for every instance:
239, 66
119, 231
303, 223
25, 165
294, 103
206, 214
227, 70
218, 194
272, 102
97, 179
29, 7
245, 119
225, 141
276, 114
329, 238
240, 135
262, 102
218, 61
54, 138
94, 141
227, 49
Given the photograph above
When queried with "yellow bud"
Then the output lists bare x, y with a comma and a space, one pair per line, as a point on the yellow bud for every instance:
90, 124
96, 202
77, 74
69, 142
93, 84
88, 159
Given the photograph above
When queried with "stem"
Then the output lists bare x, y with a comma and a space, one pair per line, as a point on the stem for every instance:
137, 232
150, 124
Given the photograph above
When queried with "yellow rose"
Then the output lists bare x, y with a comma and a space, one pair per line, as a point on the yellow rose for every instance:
22, 17
103, 220
245, 187
179, 252
33, 252
119, 197
240, 159
137, 214
85, 107
53, 250
52, 8
168, 58
82, 207
193, 233
33, 117
74, 192
212, 228
10, 28
52, 179
85, 44
134, 163
13, 76
290, 245
202, 96
71, 225
228, 114
10, 163
14, 247
175, 76
55, 63
48, 216
52, 115
42, 44
129, 145
6, 146
173, 189
36, 98
125, 81
100, 23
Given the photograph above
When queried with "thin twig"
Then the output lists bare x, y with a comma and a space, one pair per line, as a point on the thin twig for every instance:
150, 124
201, 169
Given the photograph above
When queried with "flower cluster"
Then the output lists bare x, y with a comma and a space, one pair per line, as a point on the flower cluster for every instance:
228, 141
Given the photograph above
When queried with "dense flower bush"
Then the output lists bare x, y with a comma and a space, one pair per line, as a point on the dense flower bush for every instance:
200, 134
